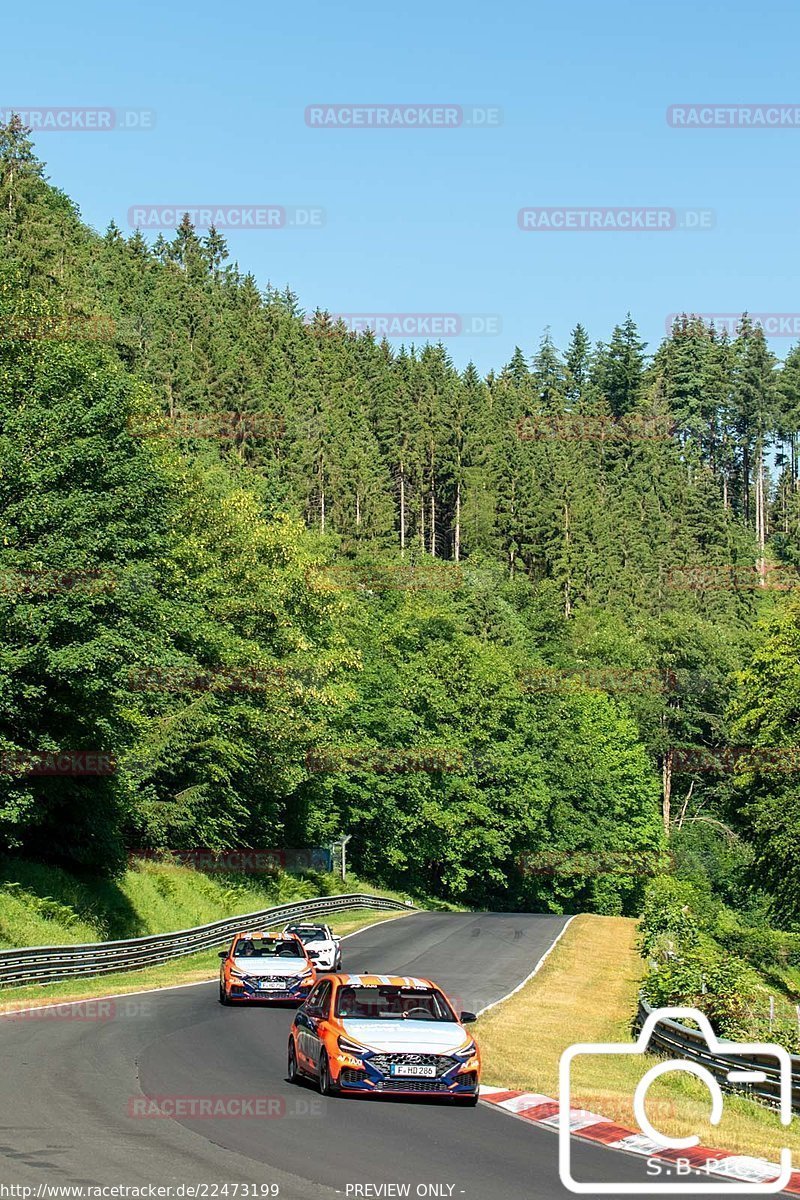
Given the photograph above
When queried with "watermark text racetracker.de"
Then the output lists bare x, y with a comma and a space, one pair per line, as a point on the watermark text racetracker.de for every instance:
588, 427
59, 119
734, 116
227, 216
250, 679
69, 763
228, 426
774, 324
383, 577
21, 584
733, 577
402, 116
615, 219
215, 1107
107, 1008
56, 327
623, 680
592, 863
243, 861
386, 760
729, 760
415, 324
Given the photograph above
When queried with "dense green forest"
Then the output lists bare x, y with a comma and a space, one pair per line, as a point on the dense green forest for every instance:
300, 583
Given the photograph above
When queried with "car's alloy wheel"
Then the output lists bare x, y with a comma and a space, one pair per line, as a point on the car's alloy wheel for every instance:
326, 1086
291, 1067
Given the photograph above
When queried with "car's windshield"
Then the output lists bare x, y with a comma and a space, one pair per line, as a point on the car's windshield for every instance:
392, 1003
311, 935
255, 947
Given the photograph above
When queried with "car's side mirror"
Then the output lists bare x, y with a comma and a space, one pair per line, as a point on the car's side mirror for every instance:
467, 1017
223, 953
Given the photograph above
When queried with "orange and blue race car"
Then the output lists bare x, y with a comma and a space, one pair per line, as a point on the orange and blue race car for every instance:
381, 1035
265, 966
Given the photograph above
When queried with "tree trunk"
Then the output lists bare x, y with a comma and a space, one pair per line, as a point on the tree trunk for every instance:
567, 581
746, 483
761, 515
684, 807
402, 510
457, 547
433, 515
666, 775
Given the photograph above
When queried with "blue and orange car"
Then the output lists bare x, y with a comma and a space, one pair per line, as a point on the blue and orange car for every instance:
265, 966
384, 1035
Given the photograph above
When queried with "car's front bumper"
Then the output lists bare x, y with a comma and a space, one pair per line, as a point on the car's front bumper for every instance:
411, 1087
359, 1073
243, 990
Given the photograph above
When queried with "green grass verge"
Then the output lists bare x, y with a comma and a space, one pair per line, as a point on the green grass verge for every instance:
45, 905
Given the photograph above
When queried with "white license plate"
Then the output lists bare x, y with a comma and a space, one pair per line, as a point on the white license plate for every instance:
266, 985
414, 1072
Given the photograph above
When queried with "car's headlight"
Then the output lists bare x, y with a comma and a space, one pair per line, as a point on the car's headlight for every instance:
238, 974
467, 1051
350, 1047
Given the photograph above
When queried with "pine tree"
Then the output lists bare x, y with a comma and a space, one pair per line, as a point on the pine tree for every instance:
578, 363
19, 172
619, 368
754, 395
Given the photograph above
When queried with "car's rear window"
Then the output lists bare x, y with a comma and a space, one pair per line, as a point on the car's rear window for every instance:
392, 1003
267, 948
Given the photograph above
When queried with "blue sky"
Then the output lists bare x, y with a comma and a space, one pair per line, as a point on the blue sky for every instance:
425, 220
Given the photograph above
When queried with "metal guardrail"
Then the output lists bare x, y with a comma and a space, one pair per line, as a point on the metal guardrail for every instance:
46, 964
679, 1041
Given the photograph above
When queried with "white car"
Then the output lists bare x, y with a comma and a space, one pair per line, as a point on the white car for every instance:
322, 945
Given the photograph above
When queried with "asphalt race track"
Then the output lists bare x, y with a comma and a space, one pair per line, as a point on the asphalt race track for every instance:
69, 1089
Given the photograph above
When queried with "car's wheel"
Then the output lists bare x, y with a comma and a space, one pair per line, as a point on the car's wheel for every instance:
291, 1066
338, 963
326, 1084
223, 997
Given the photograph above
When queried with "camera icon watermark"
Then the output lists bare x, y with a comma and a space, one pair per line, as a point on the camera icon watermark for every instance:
733, 1065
